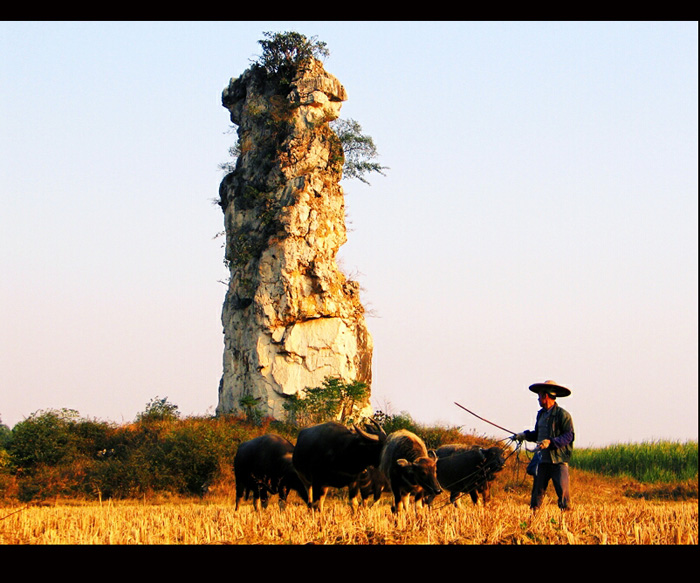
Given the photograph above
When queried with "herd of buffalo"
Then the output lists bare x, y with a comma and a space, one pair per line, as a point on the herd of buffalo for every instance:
365, 460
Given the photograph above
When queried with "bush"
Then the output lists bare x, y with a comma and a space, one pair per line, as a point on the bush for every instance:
158, 410
177, 457
334, 400
358, 150
5, 435
283, 52
251, 407
193, 453
43, 438
391, 423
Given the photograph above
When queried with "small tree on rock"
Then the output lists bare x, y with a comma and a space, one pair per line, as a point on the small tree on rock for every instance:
334, 400
283, 52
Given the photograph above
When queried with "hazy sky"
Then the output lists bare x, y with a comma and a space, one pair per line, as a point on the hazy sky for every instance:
539, 219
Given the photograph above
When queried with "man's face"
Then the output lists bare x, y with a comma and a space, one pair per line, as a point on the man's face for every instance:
545, 400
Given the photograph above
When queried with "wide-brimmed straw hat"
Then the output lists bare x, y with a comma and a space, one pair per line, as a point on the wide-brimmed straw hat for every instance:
550, 387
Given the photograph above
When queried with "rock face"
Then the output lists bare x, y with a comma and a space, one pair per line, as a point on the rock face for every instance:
291, 318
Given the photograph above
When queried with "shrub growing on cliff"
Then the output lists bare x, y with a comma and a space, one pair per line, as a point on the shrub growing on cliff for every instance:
334, 400
358, 148
358, 151
283, 52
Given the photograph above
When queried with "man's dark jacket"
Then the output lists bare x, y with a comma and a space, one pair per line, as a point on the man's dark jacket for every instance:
561, 434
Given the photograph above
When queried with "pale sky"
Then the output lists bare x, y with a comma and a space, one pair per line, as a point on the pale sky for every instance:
539, 219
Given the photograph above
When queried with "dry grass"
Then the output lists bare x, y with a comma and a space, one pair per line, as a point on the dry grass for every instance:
597, 518
605, 511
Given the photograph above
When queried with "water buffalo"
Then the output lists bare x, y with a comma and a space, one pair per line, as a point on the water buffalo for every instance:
332, 455
371, 482
409, 468
462, 469
264, 466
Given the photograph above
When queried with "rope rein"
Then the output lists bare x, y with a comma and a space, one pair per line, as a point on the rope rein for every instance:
481, 471
471, 480
482, 468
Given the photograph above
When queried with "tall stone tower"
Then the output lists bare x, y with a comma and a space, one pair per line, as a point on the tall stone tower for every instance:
291, 318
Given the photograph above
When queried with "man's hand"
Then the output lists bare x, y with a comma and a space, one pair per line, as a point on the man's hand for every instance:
544, 444
519, 436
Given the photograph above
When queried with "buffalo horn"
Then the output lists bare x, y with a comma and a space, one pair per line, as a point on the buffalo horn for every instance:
379, 428
365, 434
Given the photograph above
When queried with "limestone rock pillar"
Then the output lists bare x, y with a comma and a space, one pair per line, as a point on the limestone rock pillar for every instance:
291, 318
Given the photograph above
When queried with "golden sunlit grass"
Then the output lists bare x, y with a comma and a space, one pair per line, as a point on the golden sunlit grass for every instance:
600, 515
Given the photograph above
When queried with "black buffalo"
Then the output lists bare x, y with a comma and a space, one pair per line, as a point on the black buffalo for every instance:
371, 482
263, 466
462, 469
409, 468
332, 455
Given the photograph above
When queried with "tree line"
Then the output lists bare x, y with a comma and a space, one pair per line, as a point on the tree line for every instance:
57, 453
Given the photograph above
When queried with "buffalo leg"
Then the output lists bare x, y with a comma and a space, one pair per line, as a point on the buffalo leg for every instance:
355, 501
401, 501
282, 501
320, 497
241, 491
316, 496
354, 496
264, 498
486, 495
256, 499
397, 499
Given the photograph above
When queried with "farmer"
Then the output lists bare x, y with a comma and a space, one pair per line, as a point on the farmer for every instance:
554, 434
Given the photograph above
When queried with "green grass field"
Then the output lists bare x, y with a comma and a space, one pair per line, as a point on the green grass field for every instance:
649, 462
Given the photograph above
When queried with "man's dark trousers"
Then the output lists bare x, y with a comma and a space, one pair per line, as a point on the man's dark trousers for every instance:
559, 475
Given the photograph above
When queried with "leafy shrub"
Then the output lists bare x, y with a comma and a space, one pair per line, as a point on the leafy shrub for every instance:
358, 150
392, 423
283, 52
193, 453
5, 435
43, 438
158, 409
334, 400
172, 456
251, 407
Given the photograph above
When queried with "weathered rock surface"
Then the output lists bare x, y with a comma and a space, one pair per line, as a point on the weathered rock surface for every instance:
291, 318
